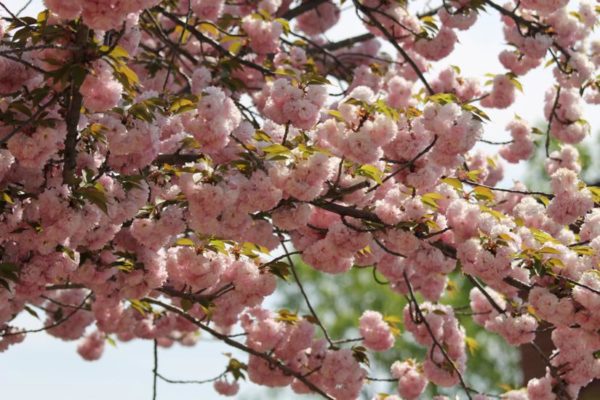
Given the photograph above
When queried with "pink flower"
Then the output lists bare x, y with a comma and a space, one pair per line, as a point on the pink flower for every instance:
502, 94
411, 381
319, 19
264, 35
64, 9
439, 46
226, 388
376, 333
92, 346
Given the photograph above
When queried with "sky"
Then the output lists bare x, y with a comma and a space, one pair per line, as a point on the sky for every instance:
45, 367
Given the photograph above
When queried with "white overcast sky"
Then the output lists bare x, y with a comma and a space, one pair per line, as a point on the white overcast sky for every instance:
45, 367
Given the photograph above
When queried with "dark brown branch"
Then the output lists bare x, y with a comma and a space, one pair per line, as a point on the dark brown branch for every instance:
155, 368
54, 324
74, 103
25, 63
384, 248
224, 338
517, 284
408, 164
514, 191
348, 42
489, 298
574, 282
348, 211
195, 297
184, 382
394, 43
30, 120
421, 319
176, 159
550, 119
495, 143
205, 39
306, 300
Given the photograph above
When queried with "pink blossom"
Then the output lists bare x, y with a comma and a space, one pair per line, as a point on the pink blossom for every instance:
319, 19
92, 346
411, 382
375, 331
225, 388
439, 46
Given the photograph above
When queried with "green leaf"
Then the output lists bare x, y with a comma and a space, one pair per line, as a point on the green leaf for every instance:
262, 136
443, 98
372, 172
185, 242
208, 27
118, 52
454, 182
252, 250
9, 271
336, 114
42, 17
314, 79
496, 214
549, 250
182, 105
483, 193
5, 284
472, 344
6, 198
236, 368
430, 199
513, 79
218, 246
285, 315
473, 175
186, 304
95, 194
279, 269
542, 237
478, 112
583, 250
140, 306
595, 193
236, 46
285, 24
32, 312
276, 149
360, 354
393, 322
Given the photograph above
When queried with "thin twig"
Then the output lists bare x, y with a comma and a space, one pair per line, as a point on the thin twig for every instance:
392, 40
155, 369
224, 338
515, 191
31, 119
53, 325
422, 319
408, 164
550, 119
306, 300
185, 382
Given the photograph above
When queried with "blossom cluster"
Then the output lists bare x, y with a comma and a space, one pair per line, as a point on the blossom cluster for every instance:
165, 165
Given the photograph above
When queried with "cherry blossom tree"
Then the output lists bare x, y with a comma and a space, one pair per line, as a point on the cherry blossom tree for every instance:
164, 164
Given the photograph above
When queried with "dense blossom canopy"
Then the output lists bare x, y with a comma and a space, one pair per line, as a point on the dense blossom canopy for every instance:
164, 163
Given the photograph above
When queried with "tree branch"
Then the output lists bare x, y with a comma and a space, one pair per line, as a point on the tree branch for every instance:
224, 338
74, 103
